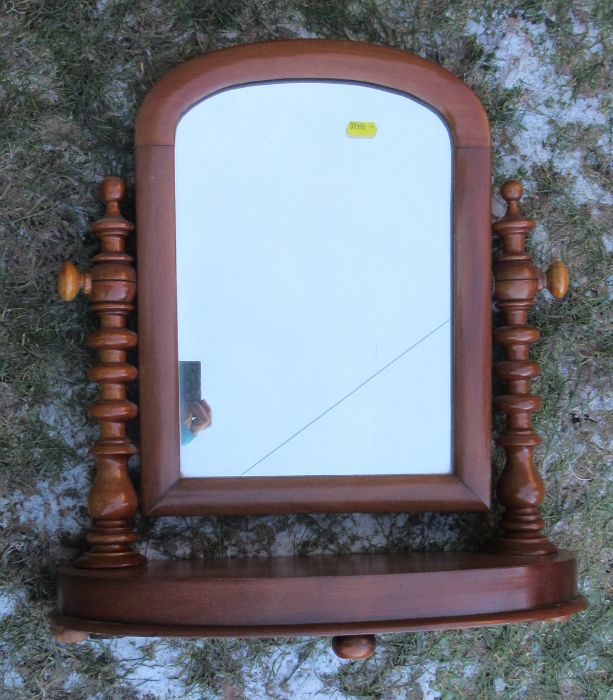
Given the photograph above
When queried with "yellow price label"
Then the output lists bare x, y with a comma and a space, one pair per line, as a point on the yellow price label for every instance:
361, 130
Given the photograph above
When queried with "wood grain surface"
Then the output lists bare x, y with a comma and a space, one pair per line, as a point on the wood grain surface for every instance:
349, 592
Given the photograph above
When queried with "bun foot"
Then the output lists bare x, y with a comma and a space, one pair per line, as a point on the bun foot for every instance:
68, 636
355, 647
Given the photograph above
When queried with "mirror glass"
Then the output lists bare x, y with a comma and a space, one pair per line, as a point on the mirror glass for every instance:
314, 292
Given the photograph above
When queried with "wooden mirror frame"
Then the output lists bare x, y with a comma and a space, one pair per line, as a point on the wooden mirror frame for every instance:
520, 577
164, 491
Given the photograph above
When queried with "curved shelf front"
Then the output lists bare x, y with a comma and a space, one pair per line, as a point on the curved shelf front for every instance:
327, 595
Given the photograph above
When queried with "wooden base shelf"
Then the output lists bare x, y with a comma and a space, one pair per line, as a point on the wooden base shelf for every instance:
348, 595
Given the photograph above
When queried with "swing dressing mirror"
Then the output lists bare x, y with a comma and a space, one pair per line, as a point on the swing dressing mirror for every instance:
314, 303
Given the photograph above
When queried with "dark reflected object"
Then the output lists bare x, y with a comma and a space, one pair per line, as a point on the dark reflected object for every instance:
196, 414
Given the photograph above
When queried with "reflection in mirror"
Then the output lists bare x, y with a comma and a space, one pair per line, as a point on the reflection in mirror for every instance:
314, 291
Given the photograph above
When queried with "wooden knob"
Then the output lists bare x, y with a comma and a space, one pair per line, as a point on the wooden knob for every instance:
354, 647
70, 282
555, 279
512, 191
112, 189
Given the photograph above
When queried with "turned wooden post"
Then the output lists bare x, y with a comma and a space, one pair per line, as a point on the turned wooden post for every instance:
517, 281
112, 287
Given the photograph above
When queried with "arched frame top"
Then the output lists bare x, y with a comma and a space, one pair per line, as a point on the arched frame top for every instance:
308, 59
163, 490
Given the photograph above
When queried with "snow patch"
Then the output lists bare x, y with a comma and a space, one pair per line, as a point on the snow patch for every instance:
68, 422
304, 670
425, 682
73, 681
152, 667
499, 685
54, 508
10, 601
12, 680
523, 54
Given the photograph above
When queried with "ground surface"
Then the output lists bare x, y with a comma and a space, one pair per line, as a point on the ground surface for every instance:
72, 75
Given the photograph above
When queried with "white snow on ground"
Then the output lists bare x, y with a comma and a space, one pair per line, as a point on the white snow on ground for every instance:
66, 420
286, 674
72, 682
151, 667
524, 58
12, 680
56, 506
52, 508
499, 685
425, 681
296, 670
10, 601
310, 671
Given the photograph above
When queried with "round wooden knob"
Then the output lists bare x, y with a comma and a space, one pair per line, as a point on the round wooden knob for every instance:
512, 190
555, 279
354, 647
112, 189
70, 282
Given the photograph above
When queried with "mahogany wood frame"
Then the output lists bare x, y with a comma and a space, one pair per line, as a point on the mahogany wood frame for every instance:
163, 491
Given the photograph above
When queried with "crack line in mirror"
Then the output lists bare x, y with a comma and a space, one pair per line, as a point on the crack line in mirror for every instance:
353, 391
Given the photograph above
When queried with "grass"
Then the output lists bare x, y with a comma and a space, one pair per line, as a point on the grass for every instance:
72, 74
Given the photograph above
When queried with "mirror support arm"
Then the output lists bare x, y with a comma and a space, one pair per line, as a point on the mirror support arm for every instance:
520, 488
112, 288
